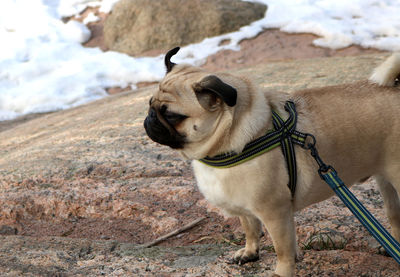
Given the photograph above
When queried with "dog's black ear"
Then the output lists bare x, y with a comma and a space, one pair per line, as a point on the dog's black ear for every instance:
210, 88
168, 56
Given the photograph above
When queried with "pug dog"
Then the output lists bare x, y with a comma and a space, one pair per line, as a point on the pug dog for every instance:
357, 127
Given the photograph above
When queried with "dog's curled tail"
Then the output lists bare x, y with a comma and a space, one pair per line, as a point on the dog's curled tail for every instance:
388, 73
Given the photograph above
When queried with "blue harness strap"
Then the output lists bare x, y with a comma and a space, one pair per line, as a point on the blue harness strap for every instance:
362, 214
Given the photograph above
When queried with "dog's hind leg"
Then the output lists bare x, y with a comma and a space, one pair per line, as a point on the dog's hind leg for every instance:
252, 229
392, 205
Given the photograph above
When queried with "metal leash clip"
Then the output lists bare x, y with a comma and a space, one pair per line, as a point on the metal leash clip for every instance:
323, 167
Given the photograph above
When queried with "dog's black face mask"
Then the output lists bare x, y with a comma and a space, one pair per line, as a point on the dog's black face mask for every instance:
159, 125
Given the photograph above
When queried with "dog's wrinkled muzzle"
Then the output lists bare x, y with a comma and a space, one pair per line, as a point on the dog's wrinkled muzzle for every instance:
160, 133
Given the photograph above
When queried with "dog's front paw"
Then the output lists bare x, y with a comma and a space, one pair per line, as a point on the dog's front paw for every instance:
243, 256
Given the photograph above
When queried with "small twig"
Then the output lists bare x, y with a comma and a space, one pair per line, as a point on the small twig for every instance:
203, 238
229, 242
173, 233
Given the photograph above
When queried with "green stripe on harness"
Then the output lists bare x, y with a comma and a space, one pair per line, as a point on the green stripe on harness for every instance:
283, 134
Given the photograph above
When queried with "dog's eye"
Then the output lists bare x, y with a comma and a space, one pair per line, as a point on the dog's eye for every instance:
163, 109
171, 117
174, 118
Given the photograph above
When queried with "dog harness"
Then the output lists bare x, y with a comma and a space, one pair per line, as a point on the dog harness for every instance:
285, 135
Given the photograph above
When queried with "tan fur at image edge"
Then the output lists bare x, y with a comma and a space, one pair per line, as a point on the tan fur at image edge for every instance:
355, 130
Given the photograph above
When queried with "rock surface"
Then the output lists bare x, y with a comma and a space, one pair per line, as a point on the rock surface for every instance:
80, 189
137, 26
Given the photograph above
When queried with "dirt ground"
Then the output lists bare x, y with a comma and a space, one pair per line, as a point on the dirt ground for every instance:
268, 46
165, 212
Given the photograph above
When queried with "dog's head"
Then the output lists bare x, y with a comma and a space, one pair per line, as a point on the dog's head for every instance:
191, 109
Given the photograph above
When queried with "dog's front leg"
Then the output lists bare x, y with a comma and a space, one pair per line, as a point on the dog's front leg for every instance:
279, 222
252, 229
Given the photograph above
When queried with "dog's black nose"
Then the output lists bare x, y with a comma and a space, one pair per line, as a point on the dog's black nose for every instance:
160, 133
